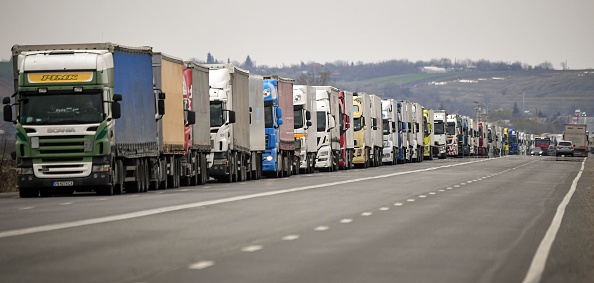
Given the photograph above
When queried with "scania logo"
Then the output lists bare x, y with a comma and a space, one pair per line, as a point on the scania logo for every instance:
60, 130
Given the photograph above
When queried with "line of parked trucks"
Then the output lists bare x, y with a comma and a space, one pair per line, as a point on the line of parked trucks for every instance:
110, 118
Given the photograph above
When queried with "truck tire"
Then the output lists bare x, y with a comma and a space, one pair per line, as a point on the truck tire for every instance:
296, 166
242, 168
288, 166
141, 176
163, 185
118, 185
171, 175
194, 174
203, 178
233, 170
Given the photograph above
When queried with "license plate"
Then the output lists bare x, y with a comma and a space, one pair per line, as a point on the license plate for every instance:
63, 183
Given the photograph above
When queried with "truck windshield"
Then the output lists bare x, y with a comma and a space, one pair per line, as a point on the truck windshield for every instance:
451, 128
216, 114
439, 127
386, 127
61, 109
268, 120
357, 125
321, 115
298, 113
542, 142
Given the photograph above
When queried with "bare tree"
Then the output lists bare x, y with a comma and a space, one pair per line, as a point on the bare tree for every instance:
314, 77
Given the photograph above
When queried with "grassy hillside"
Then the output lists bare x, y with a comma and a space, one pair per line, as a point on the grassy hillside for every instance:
548, 92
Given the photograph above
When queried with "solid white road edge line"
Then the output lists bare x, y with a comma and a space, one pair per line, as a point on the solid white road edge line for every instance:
125, 216
542, 253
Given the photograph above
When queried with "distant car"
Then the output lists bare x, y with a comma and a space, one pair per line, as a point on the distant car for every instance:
565, 148
536, 151
552, 151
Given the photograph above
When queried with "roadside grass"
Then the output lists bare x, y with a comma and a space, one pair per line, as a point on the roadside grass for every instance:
7, 165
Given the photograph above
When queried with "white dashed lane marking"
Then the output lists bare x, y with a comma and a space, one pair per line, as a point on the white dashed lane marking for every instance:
290, 237
366, 214
250, 249
201, 265
322, 228
346, 220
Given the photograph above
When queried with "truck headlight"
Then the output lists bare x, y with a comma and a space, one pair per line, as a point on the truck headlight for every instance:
24, 171
269, 158
323, 153
101, 168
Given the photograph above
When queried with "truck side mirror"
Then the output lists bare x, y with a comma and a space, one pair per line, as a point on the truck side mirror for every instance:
309, 123
394, 127
7, 112
161, 107
279, 122
279, 113
231, 117
116, 110
6, 100
331, 123
308, 116
117, 97
161, 95
190, 117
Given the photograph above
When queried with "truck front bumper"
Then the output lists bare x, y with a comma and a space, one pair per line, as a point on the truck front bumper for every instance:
93, 181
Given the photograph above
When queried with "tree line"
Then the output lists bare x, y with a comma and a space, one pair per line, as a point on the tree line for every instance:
315, 73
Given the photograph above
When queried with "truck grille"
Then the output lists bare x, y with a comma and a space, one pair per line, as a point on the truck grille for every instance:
58, 145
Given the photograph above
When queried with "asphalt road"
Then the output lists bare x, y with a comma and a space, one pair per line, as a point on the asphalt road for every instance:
454, 220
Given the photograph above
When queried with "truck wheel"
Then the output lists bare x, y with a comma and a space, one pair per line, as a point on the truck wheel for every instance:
240, 168
163, 174
118, 186
141, 176
203, 170
289, 167
193, 173
296, 166
170, 175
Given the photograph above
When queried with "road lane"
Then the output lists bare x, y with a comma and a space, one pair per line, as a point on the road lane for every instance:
479, 230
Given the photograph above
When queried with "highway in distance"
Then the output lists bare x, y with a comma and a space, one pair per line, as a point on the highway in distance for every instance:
508, 219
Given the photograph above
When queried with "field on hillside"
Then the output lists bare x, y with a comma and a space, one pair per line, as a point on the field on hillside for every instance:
548, 92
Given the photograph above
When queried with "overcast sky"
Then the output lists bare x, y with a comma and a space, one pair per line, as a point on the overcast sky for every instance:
288, 32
